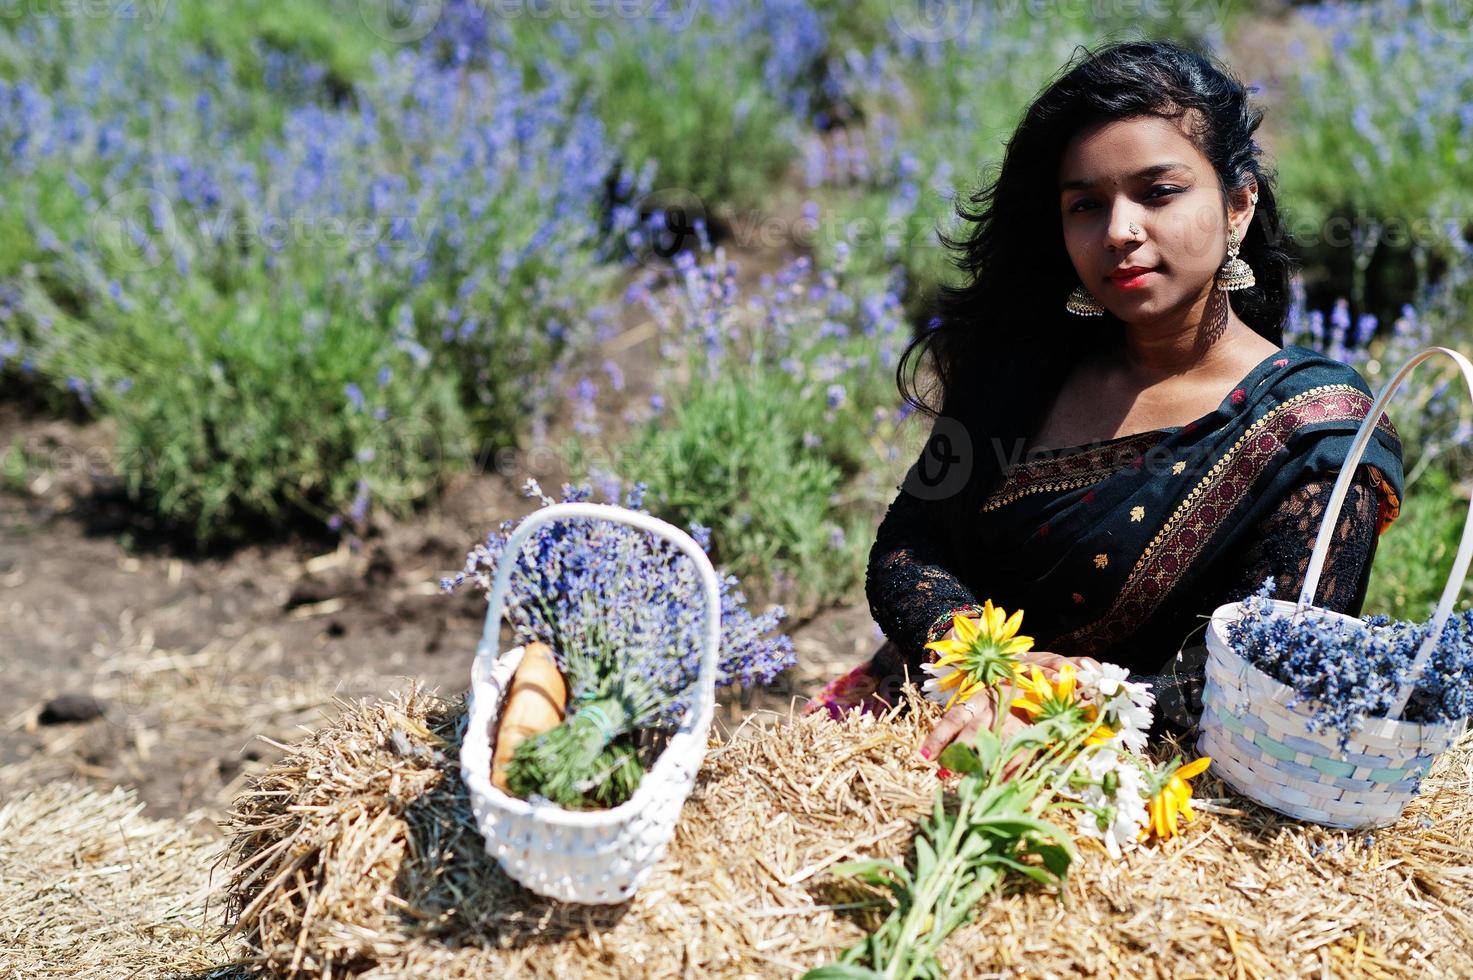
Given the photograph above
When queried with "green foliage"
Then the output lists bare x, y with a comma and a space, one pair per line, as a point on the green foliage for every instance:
696, 89
299, 309
233, 413
331, 33
703, 115
577, 764
1414, 557
779, 431
729, 454
1376, 156
18, 466
965, 849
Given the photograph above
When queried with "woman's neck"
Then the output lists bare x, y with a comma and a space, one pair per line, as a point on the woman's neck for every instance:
1157, 351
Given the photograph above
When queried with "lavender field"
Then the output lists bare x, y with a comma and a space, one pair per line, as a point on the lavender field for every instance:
296, 297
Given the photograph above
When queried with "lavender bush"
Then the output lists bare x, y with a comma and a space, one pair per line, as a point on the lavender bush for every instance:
772, 420
715, 93
1350, 671
1379, 126
313, 315
1427, 410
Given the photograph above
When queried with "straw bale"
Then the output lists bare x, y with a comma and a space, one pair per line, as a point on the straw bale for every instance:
355, 855
93, 888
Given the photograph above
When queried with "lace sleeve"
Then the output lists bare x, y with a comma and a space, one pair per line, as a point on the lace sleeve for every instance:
911, 580
1280, 548
1284, 541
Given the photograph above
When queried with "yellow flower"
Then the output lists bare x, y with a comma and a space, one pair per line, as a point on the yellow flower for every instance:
982, 654
1173, 796
1042, 699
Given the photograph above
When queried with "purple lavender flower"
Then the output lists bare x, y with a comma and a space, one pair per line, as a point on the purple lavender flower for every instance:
582, 581
1350, 671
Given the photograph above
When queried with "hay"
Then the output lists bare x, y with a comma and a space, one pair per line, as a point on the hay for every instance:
355, 855
93, 888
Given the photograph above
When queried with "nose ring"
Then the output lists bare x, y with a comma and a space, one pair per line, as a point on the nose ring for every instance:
1134, 230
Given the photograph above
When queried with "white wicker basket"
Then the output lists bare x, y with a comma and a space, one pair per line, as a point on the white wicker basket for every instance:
596, 857
1263, 749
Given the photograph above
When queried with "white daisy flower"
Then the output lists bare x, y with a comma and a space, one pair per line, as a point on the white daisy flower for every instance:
1117, 787
1124, 705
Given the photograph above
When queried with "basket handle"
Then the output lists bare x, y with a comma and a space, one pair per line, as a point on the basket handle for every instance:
488, 649
1337, 500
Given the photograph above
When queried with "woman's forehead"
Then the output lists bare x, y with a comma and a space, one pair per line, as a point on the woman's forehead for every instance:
1127, 148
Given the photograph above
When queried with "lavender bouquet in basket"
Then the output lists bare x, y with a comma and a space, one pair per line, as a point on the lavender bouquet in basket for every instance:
624, 613
1352, 670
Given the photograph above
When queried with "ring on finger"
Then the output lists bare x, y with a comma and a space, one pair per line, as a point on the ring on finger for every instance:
971, 710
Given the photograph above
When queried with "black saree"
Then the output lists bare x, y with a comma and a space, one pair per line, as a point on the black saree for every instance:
1120, 549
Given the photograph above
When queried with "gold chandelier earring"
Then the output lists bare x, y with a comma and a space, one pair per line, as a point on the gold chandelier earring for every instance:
1235, 273
1082, 303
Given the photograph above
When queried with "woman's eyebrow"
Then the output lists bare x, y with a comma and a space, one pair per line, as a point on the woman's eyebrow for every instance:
1155, 170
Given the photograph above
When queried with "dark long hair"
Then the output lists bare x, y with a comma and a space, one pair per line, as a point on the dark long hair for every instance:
1002, 345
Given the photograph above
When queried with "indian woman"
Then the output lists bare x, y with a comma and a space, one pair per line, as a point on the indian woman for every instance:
1120, 440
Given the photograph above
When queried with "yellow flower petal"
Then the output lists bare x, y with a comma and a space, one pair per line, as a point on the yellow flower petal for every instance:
1066, 681
1194, 767
1011, 626
966, 631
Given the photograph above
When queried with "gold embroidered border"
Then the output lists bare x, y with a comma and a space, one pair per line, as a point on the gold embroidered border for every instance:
1071, 471
1181, 538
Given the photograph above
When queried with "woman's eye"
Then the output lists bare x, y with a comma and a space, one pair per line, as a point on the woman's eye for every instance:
1167, 190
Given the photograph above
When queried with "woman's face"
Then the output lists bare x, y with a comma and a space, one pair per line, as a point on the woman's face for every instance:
1144, 171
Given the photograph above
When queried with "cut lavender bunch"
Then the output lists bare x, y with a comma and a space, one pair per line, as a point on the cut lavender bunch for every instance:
1352, 670
623, 613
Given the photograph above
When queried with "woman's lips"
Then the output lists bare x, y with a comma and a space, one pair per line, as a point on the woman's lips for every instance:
1134, 281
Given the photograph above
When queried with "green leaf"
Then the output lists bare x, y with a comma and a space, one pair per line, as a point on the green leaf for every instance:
925, 856
1017, 826
959, 758
869, 866
1056, 857
842, 971
988, 748
880, 873
1040, 875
